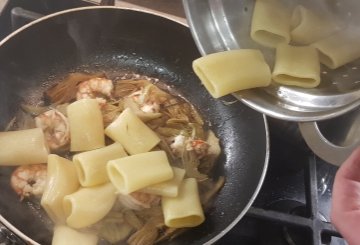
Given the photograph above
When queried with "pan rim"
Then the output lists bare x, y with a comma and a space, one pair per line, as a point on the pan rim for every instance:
15, 230
256, 192
14, 33
26, 238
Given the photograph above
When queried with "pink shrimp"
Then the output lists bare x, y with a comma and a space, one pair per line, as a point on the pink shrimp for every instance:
95, 88
55, 127
199, 146
29, 180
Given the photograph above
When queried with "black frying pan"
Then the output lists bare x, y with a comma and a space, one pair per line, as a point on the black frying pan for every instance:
118, 41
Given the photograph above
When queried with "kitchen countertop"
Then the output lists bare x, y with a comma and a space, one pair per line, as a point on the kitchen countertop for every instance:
2, 4
170, 8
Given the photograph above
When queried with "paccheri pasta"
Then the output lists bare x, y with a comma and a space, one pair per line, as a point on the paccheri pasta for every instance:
270, 23
230, 71
303, 38
129, 126
302, 71
66, 235
308, 27
127, 173
185, 209
124, 156
86, 125
62, 180
91, 165
169, 188
339, 48
23, 147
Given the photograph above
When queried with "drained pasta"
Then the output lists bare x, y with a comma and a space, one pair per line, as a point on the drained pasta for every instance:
135, 153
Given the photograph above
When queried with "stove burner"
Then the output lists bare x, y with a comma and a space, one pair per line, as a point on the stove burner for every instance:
289, 206
293, 235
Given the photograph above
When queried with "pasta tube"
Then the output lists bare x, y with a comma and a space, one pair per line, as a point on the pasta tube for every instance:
64, 235
132, 133
86, 125
184, 210
23, 147
132, 173
169, 188
340, 48
297, 66
91, 165
88, 205
229, 71
61, 181
308, 27
270, 23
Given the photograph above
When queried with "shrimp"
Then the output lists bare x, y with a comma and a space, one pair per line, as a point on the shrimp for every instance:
149, 98
29, 180
145, 106
180, 143
200, 147
55, 127
138, 200
95, 88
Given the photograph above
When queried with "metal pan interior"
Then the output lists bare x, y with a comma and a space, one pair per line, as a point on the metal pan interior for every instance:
120, 41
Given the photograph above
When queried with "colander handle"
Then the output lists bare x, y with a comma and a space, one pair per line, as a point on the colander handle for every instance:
322, 147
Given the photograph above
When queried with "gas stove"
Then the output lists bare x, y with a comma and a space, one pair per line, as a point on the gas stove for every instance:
293, 206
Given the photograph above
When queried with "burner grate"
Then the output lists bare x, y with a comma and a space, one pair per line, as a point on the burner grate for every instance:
315, 223
296, 222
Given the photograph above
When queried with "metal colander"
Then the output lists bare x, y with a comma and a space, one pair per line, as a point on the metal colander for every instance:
224, 25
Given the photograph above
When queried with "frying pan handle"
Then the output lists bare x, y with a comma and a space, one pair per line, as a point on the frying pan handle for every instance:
7, 237
20, 17
322, 147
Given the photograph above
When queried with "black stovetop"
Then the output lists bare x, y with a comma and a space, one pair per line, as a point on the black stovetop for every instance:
293, 206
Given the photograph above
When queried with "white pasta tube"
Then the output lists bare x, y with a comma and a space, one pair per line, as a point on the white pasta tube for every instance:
185, 210
270, 23
88, 205
61, 181
132, 173
308, 27
169, 188
86, 125
297, 66
340, 48
132, 133
23, 147
64, 235
91, 165
230, 71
